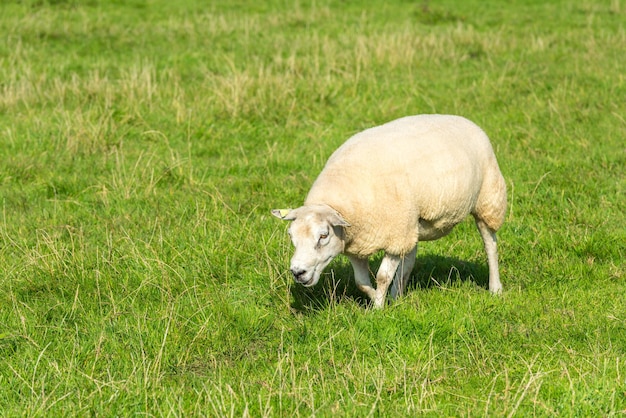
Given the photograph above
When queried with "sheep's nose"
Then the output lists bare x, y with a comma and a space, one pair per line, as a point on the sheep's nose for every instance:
297, 272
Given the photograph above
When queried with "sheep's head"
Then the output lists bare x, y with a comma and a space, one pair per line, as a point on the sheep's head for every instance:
317, 234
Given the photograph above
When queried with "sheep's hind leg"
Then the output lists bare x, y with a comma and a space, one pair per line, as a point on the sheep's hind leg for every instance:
362, 276
384, 277
402, 274
491, 247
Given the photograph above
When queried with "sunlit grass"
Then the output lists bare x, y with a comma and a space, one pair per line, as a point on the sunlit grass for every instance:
143, 144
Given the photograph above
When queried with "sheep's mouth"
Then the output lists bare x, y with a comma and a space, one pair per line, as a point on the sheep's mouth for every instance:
317, 272
309, 282
313, 279
307, 279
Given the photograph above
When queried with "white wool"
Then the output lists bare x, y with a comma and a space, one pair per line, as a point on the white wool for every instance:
409, 180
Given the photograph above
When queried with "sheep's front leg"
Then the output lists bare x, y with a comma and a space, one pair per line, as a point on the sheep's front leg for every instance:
402, 274
491, 247
362, 276
384, 277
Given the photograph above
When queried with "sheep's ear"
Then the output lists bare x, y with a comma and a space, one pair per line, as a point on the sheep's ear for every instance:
284, 214
337, 220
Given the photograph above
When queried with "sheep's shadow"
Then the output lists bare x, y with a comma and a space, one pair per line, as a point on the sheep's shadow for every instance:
431, 270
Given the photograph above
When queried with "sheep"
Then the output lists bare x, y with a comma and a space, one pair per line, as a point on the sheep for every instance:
387, 188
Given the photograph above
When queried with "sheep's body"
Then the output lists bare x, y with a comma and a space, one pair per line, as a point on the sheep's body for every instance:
410, 180
433, 168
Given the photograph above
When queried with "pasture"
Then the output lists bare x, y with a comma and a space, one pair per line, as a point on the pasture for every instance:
144, 142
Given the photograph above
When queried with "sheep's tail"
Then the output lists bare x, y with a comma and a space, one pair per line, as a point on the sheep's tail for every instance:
491, 204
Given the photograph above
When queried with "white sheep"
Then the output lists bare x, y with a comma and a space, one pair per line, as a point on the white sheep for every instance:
391, 186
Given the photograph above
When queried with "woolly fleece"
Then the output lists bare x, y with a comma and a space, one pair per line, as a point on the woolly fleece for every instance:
411, 179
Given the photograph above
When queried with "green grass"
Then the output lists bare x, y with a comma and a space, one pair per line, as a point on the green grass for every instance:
143, 143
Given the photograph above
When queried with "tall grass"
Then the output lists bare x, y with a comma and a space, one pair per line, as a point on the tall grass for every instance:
143, 143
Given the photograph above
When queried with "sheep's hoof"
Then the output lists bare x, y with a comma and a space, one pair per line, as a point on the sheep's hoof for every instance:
496, 291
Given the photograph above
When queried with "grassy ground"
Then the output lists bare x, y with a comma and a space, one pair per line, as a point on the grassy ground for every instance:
143, 143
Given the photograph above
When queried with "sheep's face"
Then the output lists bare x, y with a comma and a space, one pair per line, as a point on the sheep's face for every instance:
317, 235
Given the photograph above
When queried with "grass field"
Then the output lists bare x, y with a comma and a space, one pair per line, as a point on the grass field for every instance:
144, 142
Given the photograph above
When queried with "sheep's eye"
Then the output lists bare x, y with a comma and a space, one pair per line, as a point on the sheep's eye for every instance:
324, 235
